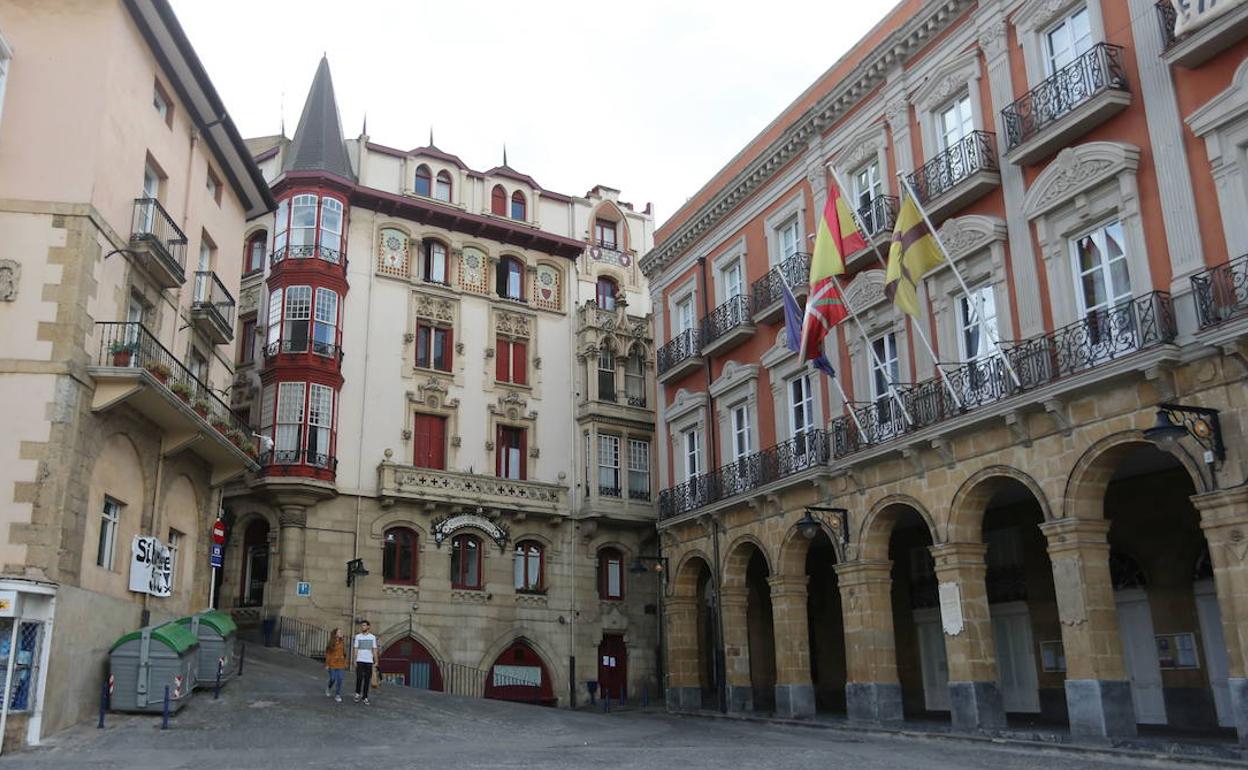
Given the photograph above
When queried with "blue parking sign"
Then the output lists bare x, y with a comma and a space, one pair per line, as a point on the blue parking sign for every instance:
217, 555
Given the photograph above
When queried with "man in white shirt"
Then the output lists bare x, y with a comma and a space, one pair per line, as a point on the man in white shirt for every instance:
364, 653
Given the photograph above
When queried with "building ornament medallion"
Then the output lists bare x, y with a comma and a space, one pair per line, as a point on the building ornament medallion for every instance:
444, 526
433, 393
866, 290
10, 272
513, 406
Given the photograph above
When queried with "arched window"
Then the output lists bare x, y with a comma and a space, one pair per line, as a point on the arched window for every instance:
510, 278
443, 189
423, 180
465, 562
435, 261
607, 289
635, 377
610, 574
517, 206
498, 201
529, 567
255, 252
398, 559
606, 374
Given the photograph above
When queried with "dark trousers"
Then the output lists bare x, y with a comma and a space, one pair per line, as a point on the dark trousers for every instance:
363, 678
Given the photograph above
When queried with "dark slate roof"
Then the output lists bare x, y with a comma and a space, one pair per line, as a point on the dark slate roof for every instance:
318, 144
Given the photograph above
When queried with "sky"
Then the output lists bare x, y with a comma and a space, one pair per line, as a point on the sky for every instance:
647, 97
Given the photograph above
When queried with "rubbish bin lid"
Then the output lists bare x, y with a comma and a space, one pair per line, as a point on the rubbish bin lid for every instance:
218, 621
172, 635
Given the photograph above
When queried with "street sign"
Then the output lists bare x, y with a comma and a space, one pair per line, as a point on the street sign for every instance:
303, 588
217, 555
218, 532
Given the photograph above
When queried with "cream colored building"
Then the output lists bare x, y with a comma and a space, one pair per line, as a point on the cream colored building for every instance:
124, 195
452, 366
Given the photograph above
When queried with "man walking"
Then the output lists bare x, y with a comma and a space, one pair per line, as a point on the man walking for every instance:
363, 648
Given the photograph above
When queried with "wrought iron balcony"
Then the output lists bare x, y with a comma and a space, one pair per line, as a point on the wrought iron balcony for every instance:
680, 355
1075, 99
152, 231
213, 307
608, 491
767, 293
1221, 292
639, 494
638, 400
959, 174
1194, 48
298, 254
324, 349
879, 215
278, 458
1166, 17
727, 326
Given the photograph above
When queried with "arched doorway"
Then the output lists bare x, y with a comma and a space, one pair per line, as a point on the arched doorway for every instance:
519, 674
762, 646
254, 564
922, 666
693, 664
409, 663
748, 632
826, 626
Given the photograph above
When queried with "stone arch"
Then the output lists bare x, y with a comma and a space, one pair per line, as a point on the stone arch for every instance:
1089, 478
795, 546
182, 512
614, 214
117, 474
877, 527
522, 633
685, 576
737, 560
404, 629
966, 512
395, 518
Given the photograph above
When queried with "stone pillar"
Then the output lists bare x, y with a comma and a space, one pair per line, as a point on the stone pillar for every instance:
1224, 518
293, 520
1098, 694
974, 697
795, 694
684, 691
872, 689
734, 603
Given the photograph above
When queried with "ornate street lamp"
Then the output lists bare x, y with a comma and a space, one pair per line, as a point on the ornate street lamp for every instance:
1201, 423
837, 521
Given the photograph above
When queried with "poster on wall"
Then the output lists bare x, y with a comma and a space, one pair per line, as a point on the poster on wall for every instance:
151, 567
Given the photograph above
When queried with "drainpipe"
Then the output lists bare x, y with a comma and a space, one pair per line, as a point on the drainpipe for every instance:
712, 442
721, 654
713, 454
359, 453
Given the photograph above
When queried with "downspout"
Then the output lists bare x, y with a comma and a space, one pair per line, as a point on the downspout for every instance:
155, 525
721, 653
359, 453
712, 441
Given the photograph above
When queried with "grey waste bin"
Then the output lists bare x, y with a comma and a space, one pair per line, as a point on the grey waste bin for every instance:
216, 632
144, 662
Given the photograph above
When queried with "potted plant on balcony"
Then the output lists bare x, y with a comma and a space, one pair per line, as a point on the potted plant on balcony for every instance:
236, 437
221, 425
122, 352
201, 407
182, 391
159, 371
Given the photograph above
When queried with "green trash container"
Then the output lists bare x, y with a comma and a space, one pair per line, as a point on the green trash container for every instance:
142, 663
216, 632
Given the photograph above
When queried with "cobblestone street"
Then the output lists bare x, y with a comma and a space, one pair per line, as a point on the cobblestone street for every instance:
276, 717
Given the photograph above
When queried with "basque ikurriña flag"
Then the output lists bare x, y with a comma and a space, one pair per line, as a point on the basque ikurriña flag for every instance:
793, 331
836, 236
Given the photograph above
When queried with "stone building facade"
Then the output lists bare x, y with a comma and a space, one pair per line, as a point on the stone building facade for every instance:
116, 344
1009, 537
453, 367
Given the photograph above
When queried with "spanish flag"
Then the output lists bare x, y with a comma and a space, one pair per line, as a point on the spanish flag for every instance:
836, 236
913, 252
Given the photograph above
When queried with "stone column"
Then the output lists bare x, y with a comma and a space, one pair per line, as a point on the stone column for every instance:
974, 697
795, 694
733, 603
684, 691
872, 689
1224, 518
293, 520
1098, 694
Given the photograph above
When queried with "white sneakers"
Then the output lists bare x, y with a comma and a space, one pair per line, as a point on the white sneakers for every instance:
357, 697
337, 699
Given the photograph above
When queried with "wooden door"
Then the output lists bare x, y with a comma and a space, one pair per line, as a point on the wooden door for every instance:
613, 666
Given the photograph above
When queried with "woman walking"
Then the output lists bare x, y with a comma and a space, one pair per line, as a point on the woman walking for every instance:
336, 664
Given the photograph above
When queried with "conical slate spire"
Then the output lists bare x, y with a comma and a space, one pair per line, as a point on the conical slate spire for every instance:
318, 144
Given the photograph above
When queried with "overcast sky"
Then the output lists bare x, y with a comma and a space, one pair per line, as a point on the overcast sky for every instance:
649, 97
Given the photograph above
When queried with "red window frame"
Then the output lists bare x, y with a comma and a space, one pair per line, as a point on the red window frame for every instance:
601, 228
423, 174
459, 572
606, 290
429, 341
498, 201
254, 264
532, 583
429, 440
247, 340
521, 213
606, 557
510, 437
511, 361
391, 549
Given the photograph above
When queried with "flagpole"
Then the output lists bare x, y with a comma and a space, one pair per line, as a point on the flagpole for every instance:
892, 387
918, 327
976, 306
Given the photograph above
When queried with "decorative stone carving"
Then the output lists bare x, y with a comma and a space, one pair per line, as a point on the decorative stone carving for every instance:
897, 113
866, 290
1077, 169
965, 235
443, 526
249, 299
434, 393
993, 38
437, 309
513, 406
513, 325
10, 274
947, 81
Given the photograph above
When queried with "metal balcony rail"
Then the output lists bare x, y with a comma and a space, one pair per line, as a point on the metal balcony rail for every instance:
637, 399
152, 224
639, 494
725, 318
298, 456
879, 214
1096, 71
1221, 292
1103, 336
768, 290
608, 491
327, 349
212, 296
127, 344
684, 345
973, 153
310, 251
1167, 17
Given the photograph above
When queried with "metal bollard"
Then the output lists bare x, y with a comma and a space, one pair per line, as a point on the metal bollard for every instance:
645, 696
103, 703
216, 691
606, 700
242, 655
164, 717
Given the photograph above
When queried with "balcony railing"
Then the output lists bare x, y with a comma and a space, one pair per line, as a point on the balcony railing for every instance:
683, 346
640, 494
794, 270
1093, 73
212, 297
975, 152
424, 485
152, 225
299, 456
311, 251
326, 349
1103, 336
638, 400
1167, 17
608, 491
728, 316
1221, 292
127, 344
878, 215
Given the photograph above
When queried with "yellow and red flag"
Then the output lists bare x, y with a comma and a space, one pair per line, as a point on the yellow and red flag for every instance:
836, 236
913, 252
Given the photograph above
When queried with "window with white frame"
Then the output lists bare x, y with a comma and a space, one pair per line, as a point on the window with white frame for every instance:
789, 238
325, 326
274, 331
635, 377
606, 374
1067, 40
684, 315
6, 56
268, 408
160, 101
320, 423
110, 519
289, 419
691, 445
609, 465
281, 218
801, 406
732, 279
297, 313
1102, 278
740, 415
638, 469
975, 312
174, 544
303, 220
885, 366
867, 186
331, 224
954, 122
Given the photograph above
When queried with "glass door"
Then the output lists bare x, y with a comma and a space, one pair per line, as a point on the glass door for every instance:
1103, 289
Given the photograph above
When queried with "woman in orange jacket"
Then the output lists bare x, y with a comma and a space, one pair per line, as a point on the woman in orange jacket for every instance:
336, 664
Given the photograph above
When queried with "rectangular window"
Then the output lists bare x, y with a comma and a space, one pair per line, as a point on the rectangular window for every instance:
175, 543
638, 469
510, 453
609, 465
268, 409
511, 362
974, 345
298, 312
214, 187
614, 569
162, 103
606, 375
247, 342
433, 348
1102, 276
435, 262
1067, 40
604, 233
684, 315
732, 279
885, 367
801, 405
740, 431
635, 379
867, 187
280, 220
274, 329
325, 326
320, 424
955, 122
110, 518
789, 237
430, 436
331, 224
691, 442
6, 55
289, 420
303, 221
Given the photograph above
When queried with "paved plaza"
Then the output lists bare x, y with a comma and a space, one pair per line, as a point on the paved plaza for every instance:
276, 717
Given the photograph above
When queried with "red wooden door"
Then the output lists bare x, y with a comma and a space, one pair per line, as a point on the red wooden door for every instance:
519, 674
613, 667
408, 658
430, 435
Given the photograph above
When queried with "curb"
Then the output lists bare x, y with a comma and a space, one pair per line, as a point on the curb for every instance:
1082, 749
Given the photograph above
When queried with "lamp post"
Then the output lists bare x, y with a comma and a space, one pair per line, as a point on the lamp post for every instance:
835, 519
1198, 422
639, 567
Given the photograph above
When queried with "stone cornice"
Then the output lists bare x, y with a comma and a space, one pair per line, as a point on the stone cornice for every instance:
843, 96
